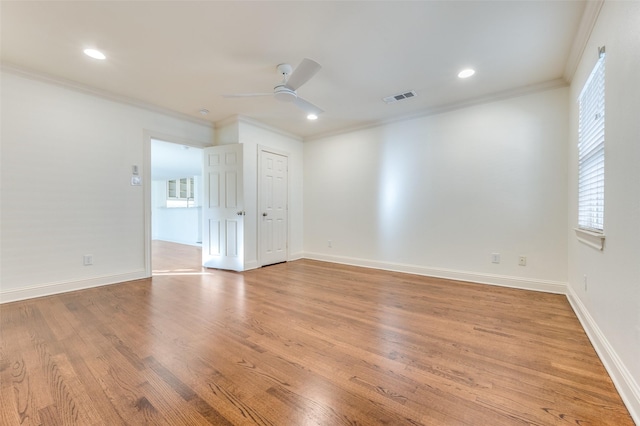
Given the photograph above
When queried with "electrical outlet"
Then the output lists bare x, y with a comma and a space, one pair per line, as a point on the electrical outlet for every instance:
329, 243
87, 259
522, 261
495, 257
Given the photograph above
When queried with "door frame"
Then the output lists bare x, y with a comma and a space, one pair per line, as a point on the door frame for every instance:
261, 149
146, 185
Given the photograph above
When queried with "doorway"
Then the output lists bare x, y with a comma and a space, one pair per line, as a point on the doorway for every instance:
176, 212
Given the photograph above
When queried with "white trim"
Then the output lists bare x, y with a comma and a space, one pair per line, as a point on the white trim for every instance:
498, 96
238, 119
78, 87
49, 289
163, 137
227, 121
250, 265
146, 202
592, 239
295, 256
623, 380
511, 93
546, 286
587, 22
263, 126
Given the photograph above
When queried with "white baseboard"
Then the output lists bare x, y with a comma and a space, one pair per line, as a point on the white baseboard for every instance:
49, 289
295, 256
624, 382
251, 264
481, 278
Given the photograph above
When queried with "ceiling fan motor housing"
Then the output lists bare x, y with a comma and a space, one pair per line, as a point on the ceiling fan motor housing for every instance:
284, 69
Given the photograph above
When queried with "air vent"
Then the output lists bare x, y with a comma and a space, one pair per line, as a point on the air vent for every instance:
399, 97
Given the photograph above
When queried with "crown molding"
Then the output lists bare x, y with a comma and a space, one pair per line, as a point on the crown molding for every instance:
104, 94
588, 21
497, 96
263, 126
227, 121
242, 119
511, 93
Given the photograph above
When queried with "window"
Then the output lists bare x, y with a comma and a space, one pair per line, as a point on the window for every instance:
180, 192
591, 151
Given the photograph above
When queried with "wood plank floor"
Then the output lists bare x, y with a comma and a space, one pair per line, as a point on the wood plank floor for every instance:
299, 343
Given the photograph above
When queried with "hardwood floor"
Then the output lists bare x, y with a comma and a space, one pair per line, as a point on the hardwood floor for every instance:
299, 343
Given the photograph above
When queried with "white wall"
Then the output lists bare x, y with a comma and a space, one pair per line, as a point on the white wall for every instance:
438, 194
66, 167
610, 307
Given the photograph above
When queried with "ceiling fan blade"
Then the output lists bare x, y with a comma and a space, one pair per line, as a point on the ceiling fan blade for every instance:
307, 106
307, 69
246, 95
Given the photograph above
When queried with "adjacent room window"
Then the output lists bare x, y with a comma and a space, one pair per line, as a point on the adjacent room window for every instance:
591, 150
180, 192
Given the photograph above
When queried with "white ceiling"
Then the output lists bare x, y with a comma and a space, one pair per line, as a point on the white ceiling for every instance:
184, 55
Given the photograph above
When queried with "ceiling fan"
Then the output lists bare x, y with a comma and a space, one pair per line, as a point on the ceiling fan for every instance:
291, 81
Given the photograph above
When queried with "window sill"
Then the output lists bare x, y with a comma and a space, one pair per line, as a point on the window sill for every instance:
590, 238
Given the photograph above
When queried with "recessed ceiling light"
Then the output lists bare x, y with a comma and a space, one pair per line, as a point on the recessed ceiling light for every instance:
95, 54
312, 117
466, 73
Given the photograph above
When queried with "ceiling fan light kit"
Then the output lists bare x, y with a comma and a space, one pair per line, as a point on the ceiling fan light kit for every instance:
283, 93
291, 81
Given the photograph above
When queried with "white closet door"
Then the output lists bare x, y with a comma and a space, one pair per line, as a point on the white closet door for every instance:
272, 213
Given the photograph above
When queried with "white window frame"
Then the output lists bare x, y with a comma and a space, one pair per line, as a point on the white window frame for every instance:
591, 157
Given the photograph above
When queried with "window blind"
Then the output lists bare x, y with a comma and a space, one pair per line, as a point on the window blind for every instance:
591, 151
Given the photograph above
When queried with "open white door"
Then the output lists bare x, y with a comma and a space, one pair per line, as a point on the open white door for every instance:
223, 208
273, 204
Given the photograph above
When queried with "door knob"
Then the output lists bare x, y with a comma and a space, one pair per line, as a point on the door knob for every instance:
264, 214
